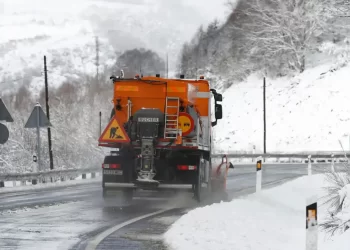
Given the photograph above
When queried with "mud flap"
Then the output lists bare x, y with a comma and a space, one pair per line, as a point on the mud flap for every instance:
218, 180
120, 197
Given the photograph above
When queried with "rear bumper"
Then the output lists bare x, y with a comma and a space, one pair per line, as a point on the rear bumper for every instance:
109, 185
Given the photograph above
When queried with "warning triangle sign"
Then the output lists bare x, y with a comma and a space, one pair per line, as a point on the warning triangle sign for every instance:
114, 133
4, 113
37, 118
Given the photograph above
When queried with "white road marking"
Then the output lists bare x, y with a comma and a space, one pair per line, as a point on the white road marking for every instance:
145, 237
92, 245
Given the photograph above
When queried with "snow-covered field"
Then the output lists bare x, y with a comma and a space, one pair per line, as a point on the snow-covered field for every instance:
274, 219
64, 31
308, 112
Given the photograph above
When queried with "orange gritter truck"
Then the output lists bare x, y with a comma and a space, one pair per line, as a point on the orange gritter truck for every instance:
160, 132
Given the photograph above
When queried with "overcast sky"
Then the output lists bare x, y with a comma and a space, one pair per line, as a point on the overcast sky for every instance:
160, 25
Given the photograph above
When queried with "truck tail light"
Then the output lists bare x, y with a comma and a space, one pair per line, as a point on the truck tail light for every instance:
186, 167
111, 166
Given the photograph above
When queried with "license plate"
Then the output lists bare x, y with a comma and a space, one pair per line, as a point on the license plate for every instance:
113, 172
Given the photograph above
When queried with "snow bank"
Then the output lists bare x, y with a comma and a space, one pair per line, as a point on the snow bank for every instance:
304, 113
275, 219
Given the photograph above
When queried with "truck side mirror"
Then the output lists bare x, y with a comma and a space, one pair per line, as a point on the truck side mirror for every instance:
218, 97
218, 111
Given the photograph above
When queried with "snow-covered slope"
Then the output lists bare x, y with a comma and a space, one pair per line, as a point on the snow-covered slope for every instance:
64, 31
308, 112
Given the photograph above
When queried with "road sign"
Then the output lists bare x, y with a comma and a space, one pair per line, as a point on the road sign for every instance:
4, 134
37, 118
114, 133
186, 123
4, 113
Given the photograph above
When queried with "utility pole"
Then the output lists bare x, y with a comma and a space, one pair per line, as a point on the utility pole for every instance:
97, 57
264, 101
100, 115
48, 114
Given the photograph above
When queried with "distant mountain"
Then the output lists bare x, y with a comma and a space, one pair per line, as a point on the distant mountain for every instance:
65, 32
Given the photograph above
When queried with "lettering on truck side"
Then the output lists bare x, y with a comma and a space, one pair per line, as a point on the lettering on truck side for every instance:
147, 119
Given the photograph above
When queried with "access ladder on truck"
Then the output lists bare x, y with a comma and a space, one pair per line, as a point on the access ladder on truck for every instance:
171, 118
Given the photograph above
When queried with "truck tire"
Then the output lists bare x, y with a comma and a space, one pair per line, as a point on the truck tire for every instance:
209, 189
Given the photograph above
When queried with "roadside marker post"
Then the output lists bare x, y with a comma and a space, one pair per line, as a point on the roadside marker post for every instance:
258, 174
311, 224
332, 165
309, 166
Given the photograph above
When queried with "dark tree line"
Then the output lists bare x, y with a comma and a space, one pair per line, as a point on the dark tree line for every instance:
140, 61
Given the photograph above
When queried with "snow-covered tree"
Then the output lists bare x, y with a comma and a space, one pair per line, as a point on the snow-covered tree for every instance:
75, 130
274, 37
281, 33
337, 199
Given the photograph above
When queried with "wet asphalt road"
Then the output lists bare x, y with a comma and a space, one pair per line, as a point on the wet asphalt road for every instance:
68, 217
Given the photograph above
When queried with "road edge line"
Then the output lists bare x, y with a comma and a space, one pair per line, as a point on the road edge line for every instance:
92, 244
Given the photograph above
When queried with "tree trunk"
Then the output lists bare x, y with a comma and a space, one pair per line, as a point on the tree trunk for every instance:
302, 64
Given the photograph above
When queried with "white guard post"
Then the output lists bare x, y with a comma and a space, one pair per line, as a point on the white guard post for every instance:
258, 174
332, 166
311, 224
309, 165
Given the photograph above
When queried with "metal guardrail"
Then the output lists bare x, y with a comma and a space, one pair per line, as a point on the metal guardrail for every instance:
320, 155
57, 173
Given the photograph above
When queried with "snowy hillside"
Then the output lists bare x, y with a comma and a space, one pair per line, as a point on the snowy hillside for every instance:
65, 30
308, 112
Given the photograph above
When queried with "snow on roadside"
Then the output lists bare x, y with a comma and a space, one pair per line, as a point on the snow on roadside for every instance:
275, 219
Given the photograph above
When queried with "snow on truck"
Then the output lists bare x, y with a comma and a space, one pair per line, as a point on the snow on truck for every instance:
160, 130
